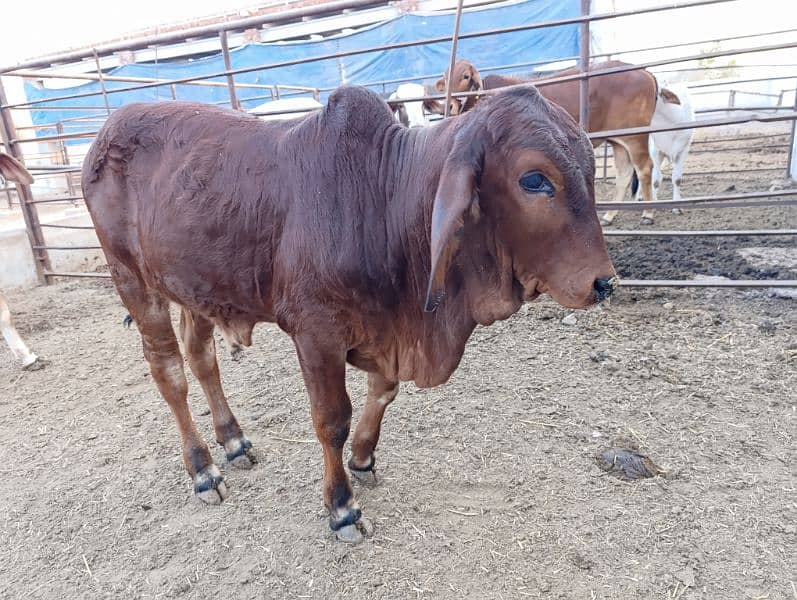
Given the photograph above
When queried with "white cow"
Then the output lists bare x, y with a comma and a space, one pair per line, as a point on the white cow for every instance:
273, 110
409, 114
672, 107
13, 170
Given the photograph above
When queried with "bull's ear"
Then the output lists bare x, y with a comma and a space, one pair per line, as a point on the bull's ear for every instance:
456, 192
440, 84
13, 170
476, 79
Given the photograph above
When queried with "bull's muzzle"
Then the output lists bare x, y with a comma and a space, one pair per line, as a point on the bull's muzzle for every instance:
603, 287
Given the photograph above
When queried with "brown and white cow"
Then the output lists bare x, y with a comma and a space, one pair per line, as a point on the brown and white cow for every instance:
366, 242
616, 101
13, 170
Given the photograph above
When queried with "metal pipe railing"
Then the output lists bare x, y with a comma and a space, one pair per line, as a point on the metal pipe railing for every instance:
408, 44
713, 283
696, 201
195, 32
701, 233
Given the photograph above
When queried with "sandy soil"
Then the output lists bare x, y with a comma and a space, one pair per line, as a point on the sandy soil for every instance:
488, 486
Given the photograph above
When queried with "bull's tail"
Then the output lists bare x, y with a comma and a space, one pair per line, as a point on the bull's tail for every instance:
128, 321
634, 184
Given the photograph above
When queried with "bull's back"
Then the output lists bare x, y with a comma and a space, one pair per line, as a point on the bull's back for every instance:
616, 100
179, 195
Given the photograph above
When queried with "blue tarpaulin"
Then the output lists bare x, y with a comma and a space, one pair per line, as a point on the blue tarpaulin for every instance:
537, 45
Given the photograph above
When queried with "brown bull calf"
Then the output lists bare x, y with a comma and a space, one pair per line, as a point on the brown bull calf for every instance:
366, 242
616, 101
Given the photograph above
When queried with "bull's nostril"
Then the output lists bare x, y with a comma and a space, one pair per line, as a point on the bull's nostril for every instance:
603, 287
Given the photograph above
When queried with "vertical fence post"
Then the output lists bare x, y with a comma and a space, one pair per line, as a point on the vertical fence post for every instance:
225, 51
605, 158
791, 165
583, 84
101, 79
70, 184
452, 60
8, 132
7, 189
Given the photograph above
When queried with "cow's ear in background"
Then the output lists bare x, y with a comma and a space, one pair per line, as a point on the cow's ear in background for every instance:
13, 170
475, 78
456, 193
669, 96
440, 84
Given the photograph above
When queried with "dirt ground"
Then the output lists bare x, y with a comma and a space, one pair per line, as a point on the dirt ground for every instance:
488, 486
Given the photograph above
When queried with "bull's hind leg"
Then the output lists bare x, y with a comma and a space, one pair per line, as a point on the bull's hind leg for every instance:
323, 366
151, 313
639, 152
366, 436
625, 171
196, 332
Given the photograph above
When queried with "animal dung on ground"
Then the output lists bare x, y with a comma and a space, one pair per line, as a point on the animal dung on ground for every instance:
627, 464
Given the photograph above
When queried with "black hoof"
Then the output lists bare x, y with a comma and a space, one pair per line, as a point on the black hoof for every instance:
646, 221
350, 518
240, 453
365, 475
355, 533
209, 485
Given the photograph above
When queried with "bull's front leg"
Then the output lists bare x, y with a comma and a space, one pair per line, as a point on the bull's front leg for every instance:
323, 366
381, 393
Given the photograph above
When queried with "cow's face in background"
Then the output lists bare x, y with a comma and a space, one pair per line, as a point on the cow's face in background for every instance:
465, 79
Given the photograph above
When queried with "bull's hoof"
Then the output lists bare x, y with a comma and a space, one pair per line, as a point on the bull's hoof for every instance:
356, 532
236, 352
209, 486
677, 211
240, 453
364, 475
645, 221
38, 363
366, 478
606, 222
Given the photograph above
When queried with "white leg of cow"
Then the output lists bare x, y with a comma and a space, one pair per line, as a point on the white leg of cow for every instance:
18, 347
678, 164
658, 159
625, 172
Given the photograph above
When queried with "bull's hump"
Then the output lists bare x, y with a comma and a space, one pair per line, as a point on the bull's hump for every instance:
356, 109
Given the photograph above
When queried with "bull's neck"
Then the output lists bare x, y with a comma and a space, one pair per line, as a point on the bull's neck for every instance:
473, 294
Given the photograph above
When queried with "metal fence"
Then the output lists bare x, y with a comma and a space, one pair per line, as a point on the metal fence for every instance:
60, 164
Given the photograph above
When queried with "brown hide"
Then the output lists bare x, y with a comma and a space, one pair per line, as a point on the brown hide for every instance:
367, 242
323, 224
616, 100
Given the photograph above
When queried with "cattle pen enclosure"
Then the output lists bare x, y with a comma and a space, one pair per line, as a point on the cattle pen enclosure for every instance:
488, 486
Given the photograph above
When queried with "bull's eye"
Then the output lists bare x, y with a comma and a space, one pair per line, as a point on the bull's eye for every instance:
535, 182
466, 76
